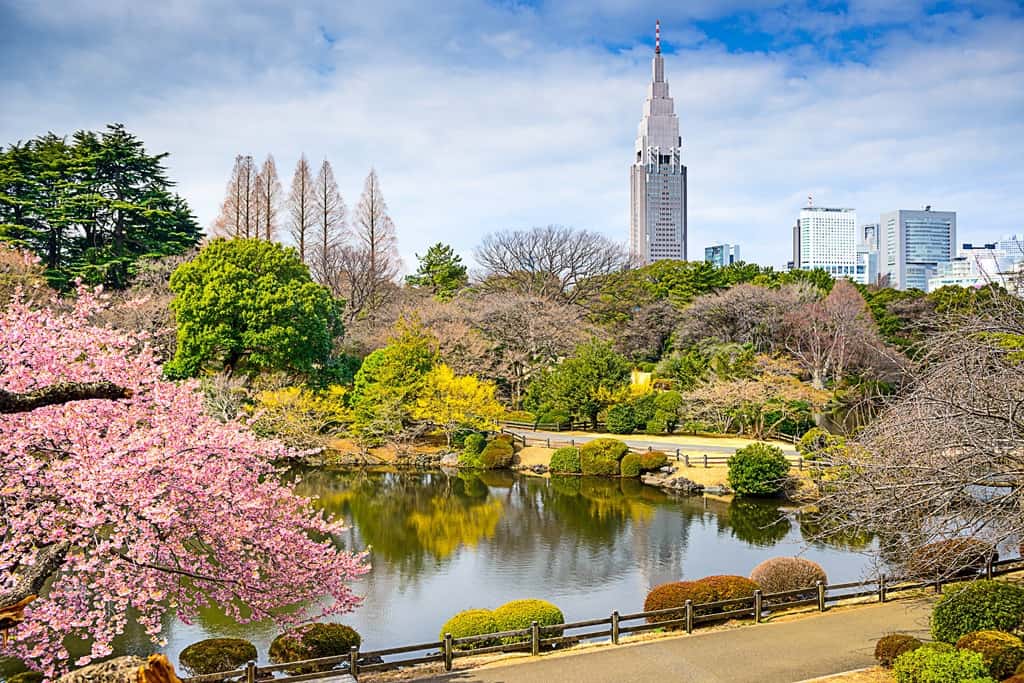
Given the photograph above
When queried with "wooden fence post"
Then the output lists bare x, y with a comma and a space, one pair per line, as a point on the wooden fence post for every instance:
705, 460
353, 661
689, 616
881, 588
687, 456
447, 651
988, 567
534, 638
938, 585
677, 455
549, 442
615, 627
758, 605
821, 596
250, 672
572, 442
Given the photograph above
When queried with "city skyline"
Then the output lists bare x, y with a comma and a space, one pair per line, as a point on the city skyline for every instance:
863, 106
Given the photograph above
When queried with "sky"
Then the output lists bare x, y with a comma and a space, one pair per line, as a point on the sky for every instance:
485, 116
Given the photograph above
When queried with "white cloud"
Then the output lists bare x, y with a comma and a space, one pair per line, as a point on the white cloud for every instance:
482, 119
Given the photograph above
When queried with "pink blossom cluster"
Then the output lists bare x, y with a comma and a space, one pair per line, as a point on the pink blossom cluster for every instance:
162, 507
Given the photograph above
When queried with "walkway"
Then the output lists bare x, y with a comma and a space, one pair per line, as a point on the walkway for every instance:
563, 438
783, 652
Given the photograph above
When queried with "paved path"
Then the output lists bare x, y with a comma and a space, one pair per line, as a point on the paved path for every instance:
782, 652
561, 438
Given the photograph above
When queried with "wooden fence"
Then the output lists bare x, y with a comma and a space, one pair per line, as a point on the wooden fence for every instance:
537, 637
705, 460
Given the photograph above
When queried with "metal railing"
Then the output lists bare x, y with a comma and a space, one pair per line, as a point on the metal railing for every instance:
536, 637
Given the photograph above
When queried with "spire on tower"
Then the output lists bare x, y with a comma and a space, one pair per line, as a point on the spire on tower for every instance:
657, 37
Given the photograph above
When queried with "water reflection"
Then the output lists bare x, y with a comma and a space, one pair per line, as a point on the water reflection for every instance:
441, 543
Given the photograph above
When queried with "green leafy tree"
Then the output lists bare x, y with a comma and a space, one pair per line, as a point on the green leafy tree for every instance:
250, 304
91, 207
759, 469
582, 385
441, 271
389, 382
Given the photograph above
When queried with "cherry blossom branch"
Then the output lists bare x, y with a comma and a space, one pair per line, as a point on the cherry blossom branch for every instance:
58, 394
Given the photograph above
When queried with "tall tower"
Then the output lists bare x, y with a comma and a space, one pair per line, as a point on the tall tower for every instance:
657, 217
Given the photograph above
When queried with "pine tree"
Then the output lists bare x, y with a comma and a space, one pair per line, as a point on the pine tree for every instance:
301, 202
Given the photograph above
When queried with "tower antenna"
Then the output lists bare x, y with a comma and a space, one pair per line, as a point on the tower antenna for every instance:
657, 36
810, 201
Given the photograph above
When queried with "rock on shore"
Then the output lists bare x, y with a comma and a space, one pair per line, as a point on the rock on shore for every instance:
671, 481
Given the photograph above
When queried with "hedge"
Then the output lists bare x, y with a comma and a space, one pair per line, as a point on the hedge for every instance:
929, 664
1002, 652
471, 622
601, 457
312, 641
759, 469
565, 460
781, 574
978, 606
889, 647
498, 453
520, 614
214, 655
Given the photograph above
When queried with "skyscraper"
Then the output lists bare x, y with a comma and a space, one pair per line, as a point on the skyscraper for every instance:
722, 254
826, 239
912, 244
657, 217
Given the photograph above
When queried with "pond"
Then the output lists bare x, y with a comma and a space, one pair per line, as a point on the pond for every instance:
443, 543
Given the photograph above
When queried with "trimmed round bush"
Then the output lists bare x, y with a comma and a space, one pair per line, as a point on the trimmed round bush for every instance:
215, 655
26, 677
652, 460
630, 465
621, 419
727, 587
519, 614
781, 574
601, 457
565, 460
929, 664
1003, 652
668, 596
708, 589
889, 647
554, 417
759, 469
498, 454
471, 622
312, 641
950, 557
978, 606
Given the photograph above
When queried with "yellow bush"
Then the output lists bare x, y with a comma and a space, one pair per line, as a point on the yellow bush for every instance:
298, 416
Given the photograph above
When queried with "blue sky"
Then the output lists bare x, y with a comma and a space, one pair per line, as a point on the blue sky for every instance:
481, 116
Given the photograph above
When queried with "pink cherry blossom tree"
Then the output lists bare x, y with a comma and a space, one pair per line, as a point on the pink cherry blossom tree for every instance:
117, 493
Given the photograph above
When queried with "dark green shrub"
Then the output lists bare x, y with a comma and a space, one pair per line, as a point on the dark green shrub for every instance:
817, 442
643, 408
620, 419
630, 465
889, 647
498, 453
652, 460
565, 460
950, 557
781, 574
215, 655
978, 606
759, 469
519, 614
312, 641
474, 443
558, 418
26, 677
471, 622
470, 460
668, 405
1002, 652
601, 457
657, 424
929, 664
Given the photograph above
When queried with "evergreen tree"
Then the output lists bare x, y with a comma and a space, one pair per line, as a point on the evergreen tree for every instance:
441, 270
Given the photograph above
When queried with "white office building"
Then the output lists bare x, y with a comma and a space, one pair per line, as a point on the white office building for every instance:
826, 238
976, 266
722, 254
1013, 247
657, 217
912, 244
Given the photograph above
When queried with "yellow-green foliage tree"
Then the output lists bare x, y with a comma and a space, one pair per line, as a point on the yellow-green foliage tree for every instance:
450, 401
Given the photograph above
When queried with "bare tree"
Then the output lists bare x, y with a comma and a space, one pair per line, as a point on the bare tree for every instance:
835, 334
945, 460
237, 217
552, 262
268, 199
301, 208
375, 238
329, 227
